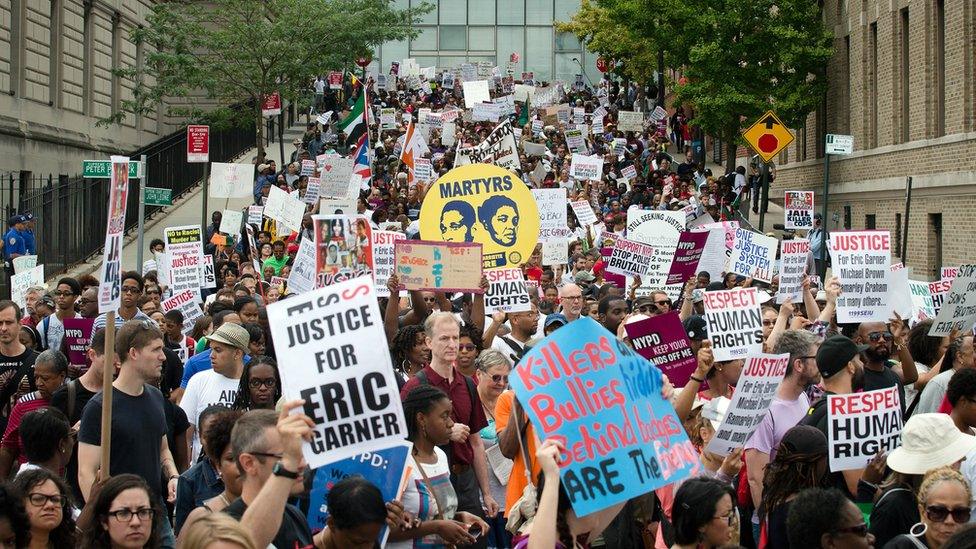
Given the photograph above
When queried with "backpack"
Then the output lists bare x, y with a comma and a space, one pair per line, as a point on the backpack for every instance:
472, 390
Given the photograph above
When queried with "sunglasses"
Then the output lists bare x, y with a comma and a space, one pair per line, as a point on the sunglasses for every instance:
876, 336
498, 378
663, 302
859, 530
939, 513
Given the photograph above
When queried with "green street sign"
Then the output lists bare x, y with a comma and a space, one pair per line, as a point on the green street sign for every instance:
156, 196
102, 169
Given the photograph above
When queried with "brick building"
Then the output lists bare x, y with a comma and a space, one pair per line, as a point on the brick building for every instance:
902, 83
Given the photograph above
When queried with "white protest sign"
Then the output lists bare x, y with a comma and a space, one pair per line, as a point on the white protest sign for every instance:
338, 362
628, 121
575, 142
20, 282
862, 259
792, 269
335, 175
959, 308
475, 91
231, 180
552, 212
489, 112
661, 230
585, 167
900, 294
313, 190
301, 278
448, 134
186, 303
285, 209
629, 172
584, 212
754, 393
534, 149
207, 274
798, 209
859, 425
230, 221
753, 255
629, 258
384, 258
555, 251
254, 215
388, 118
734, 323
184, 254
658, 114
506, 291
24, 263
308, 167
423, 170
110, 275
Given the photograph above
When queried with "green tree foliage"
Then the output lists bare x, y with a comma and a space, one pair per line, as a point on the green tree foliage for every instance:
225, 52
595, 25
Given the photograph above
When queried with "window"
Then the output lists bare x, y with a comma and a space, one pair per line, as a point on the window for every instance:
425, 41
904, 53
17, 25
538, 12
510, 39
116, 60
427, 19
55, 41
481, 38
940, 58
567, 41
846, 99
453, 38
565, 9
538, 51
87, 54
870, 222
511, 12
847, 218
481, 12
453, 12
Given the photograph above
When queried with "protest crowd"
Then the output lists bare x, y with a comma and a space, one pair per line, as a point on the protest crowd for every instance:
475, 311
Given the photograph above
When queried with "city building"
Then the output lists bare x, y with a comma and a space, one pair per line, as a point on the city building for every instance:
901, 82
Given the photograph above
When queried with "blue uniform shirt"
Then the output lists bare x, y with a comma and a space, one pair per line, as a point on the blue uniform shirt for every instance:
14, 243
29, 242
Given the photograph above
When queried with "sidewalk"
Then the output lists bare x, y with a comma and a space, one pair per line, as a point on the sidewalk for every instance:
188, 210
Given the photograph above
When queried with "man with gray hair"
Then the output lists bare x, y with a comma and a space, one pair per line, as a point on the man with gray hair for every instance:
469, 465
789, 406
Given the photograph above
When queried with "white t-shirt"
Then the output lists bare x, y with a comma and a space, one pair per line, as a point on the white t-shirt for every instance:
205, 389
418, 502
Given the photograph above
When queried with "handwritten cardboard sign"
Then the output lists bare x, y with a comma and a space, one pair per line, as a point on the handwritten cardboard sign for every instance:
439, 266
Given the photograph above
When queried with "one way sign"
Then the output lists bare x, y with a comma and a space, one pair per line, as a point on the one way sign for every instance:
768, 136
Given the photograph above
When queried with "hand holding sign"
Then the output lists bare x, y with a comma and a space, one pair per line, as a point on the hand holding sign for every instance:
294, 430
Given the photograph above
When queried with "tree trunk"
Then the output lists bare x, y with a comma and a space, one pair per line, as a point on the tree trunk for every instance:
730, 148
259, 132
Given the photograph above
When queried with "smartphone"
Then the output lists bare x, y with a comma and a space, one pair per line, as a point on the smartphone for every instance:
475, 531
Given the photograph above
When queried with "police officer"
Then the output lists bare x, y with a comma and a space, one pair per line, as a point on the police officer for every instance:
28, 234
14, 244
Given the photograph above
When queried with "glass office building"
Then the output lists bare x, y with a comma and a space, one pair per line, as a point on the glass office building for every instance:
472, 31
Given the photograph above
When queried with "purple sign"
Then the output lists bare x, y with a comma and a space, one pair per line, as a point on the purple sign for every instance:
77, 337
662, 340
690, 247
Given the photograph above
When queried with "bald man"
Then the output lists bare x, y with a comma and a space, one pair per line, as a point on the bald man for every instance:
571, 298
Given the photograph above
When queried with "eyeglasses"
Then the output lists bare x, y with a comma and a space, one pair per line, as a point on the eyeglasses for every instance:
131, 290
266, 454
84, 301
40, 500
939, 513
729, 517
876, 336
270, 383
859, 530
468, 347
498, 378
768, 322
125, 515
63, 293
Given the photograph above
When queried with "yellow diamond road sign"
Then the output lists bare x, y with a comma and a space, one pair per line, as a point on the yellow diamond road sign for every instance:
768, 136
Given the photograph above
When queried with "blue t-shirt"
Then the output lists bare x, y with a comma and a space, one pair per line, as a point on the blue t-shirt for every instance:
200, 362
14, 243
29, 241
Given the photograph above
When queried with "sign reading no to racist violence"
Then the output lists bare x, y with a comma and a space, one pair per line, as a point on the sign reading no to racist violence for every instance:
485, 204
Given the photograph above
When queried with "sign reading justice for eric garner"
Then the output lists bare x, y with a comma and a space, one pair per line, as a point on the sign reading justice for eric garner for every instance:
334, 348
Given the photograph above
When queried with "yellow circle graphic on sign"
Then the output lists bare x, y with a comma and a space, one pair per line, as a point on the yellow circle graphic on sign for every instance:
487, 204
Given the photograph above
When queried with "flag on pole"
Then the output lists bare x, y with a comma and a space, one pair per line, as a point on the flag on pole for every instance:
414, 146
362, 158
355, 125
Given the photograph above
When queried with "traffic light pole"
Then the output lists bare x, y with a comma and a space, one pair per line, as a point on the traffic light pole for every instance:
823, 221
142, 212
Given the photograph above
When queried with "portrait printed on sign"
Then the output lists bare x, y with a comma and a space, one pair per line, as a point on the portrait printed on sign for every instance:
485, 204
342, 248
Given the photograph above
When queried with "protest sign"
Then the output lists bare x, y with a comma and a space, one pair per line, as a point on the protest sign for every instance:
485, 204
552, 211
798, 208
208, 278
923, 306
718, 249
308, 167
77, 338
24, 263
585, 167
900, 295
499, 148
301, 278
386, 469
753, 255
230, 222
555, 251
663, 340
384, 258
423, 170
342, 248
388, 118
753, 394
110, 288
184, 251
507, 292
661, 230
313, 190
959, 307
619, 146
575, 142
861, 259
948, 273
21, 282
859, 425
186, 303
439, 266
628, 121
622, 438
149, 265
792, 269
629, 258
684, 267
231, 180
338, 361
254, 215
534, 149
252, 248
734, 323
285, 209
488, 112
448, 134
335, 174
658, 114
629, 172
475, 91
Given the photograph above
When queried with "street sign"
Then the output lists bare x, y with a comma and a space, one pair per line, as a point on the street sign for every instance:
271, 105
602, 64
364, 60
839, 144
197, 144
768, 136
156, 196
102, 169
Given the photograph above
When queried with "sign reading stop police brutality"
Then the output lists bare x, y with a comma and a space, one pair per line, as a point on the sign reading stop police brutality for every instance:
862, 260
603, 401
734, 322
110, 289
753, 394
629, 258
485, 204
798, 208
333, 342
859, 425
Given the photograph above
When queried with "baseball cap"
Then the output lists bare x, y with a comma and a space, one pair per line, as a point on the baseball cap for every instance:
805, 439
818, 216
234, 335
556, 318
15, 220
262, 167
584, 276
834, 354
643, 301
28, 216
696, 327
929, 441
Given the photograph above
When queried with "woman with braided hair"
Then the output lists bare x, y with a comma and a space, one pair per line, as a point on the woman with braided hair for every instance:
409, 352
800, 463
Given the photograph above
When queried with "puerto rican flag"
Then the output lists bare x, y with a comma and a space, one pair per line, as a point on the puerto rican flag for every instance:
362, 159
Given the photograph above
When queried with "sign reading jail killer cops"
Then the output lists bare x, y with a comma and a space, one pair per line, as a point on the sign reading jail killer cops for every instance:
438, 266
798, 209
753, 255
862, 259
603, 401
110, 289
333, 342
507, 291
484, 204
959, 306
753, 394
629, 258
662, 340
734, 323
861, 424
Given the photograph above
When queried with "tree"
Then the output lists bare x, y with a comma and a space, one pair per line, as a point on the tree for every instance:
225, 52
596, 26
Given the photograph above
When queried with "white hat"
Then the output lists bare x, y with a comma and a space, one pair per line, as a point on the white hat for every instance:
929, 441
715, 409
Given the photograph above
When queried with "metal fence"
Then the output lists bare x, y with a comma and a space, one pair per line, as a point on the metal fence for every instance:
70, 211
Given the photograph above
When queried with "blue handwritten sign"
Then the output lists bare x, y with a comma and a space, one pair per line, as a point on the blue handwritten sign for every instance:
603, 402
384, 468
